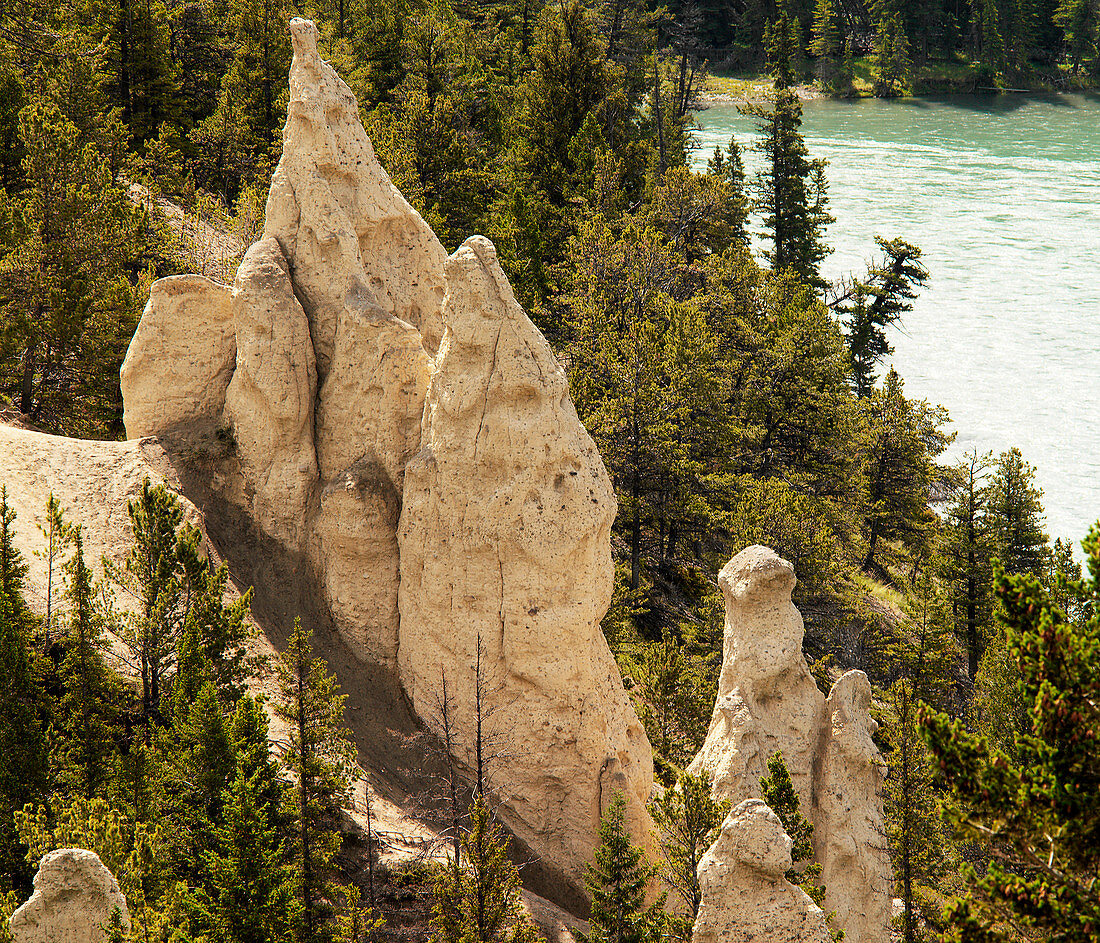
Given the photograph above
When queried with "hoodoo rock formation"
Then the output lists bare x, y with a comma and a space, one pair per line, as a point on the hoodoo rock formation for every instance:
74, 898
768, 701
391, 419
506, 520
746, 896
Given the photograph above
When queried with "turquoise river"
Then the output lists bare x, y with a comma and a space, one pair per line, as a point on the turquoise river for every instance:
1002, 193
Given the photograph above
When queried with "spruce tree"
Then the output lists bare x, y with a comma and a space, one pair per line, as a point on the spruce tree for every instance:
1041, 812
23, 705
870, 305
89, 687
791, 190
616, 882
58, 535
965, 555
150, 576
246, 886
1016, 515
478, 901
321, 756
688, 821
905, 437
779, 794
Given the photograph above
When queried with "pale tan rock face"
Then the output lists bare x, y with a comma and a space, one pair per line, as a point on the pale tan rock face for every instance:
505, 538
368, 427
852, 849
180, 359
346, 230
768, 701
745, 896
74, 897
269, 402
431, 500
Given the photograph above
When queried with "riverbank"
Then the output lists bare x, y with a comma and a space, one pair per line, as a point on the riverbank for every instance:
937, 78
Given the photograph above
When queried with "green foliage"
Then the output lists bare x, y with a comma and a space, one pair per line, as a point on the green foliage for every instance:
1040, 812
321, 756
688, 821
870, 305
616, 882
791, 190
246, 887
478, 901
905, 437
70, 303
23, 707
779, 794
891, 69
88, 704
1016, 515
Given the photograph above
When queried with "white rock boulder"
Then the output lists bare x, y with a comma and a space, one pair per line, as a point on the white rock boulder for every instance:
767, 699
269, 401
745, 895
73, 901
344, 226
850, 834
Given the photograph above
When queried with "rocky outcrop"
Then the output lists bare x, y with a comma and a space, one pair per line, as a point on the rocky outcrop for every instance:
767, 702
269, 402
767, 698
432, 486
506, 521
855, 862
74, 898
347, 231
745, 896
180, 360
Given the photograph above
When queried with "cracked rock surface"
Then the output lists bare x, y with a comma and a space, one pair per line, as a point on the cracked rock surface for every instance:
504, 537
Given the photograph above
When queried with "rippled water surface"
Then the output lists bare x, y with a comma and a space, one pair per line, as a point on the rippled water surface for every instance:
1003, 195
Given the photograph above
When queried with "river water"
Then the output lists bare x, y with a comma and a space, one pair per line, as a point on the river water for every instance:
1002, 194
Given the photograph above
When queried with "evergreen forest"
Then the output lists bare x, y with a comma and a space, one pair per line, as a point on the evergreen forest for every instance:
735, 394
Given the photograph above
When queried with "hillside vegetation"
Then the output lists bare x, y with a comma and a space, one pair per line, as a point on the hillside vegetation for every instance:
735, 399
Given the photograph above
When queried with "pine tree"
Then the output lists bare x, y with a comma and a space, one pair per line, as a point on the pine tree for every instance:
828, 42
68, 305
1041, 812
58, 536
616, 882
688, 821
151, 577
965, 556
791, 190
915, 831
478, 901
779, 794
321, 755
89, 685
892, 66
1016, 515
247, 881
870, 305
1080, 23
905, 438
23, 707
